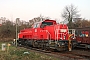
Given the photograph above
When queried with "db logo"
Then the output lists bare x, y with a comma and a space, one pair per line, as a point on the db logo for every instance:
35, 30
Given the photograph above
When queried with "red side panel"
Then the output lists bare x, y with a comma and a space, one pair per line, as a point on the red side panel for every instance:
26, 34
40, 34
43, 35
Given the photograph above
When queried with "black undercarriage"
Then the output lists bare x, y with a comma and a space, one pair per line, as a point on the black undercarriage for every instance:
59, 45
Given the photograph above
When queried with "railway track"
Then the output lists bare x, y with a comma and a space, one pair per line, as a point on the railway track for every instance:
77, 55
82, 49
66, 54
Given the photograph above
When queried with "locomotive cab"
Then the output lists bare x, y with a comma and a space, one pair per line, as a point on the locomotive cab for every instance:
47, 23
44, 23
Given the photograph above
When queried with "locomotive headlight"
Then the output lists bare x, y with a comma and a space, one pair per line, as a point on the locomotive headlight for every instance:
61, 38
73, 38
62, 44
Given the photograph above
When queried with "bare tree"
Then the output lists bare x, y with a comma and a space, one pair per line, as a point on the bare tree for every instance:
69, 13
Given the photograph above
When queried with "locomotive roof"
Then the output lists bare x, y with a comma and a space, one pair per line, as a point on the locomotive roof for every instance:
46, 21
50, 20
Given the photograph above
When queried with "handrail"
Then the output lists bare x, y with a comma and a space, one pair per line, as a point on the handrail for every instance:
49, 35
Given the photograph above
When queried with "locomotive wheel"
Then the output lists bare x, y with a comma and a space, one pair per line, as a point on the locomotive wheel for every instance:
35, 43
43, 45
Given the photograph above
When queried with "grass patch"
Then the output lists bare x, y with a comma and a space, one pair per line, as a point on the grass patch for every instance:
17, 53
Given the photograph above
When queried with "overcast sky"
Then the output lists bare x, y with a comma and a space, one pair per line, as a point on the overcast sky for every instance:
28, 9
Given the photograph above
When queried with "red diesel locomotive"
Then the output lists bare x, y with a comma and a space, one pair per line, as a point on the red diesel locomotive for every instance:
45, 35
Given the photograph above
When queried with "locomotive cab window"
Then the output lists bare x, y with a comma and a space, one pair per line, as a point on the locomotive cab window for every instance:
36, 25
46, 24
